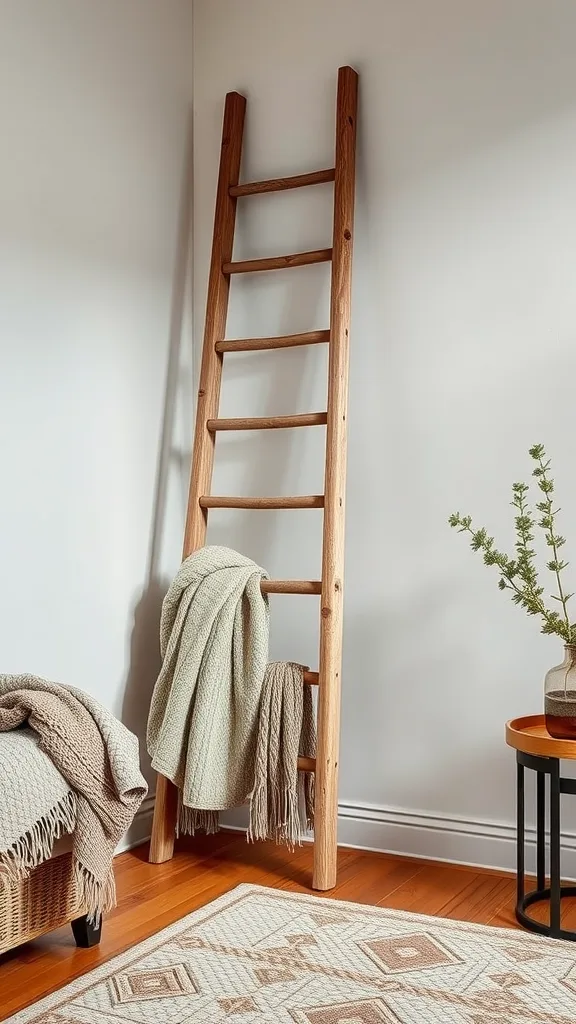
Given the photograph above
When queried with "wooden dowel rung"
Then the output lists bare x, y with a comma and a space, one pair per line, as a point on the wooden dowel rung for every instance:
306, 764
291, 586
308, 419
285, 341
252, 188
311, 678
297, 259
301, 501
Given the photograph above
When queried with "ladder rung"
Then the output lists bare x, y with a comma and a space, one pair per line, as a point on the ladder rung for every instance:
285, 341
252, 188
308, 419
297, 259
311, 678
301, 501
307, 764
291, 586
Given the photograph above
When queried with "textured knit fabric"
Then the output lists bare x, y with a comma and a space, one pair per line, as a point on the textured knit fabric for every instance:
222, 725
203, 719
286, 729
89, 760
37, 805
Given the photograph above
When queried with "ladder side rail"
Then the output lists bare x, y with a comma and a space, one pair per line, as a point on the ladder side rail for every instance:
165, 809
331, 603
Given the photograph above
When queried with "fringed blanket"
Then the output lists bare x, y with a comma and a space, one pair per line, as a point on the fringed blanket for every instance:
215, 729
75, 768
282, 801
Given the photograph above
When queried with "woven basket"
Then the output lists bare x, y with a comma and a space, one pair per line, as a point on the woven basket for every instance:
46, 900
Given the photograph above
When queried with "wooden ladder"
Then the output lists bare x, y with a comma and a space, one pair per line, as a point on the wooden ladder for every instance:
222, 267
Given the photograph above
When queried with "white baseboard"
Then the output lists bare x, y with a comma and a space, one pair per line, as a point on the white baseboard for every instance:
456, 840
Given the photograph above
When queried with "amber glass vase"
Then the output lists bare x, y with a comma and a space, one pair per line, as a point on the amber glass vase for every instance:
560, 697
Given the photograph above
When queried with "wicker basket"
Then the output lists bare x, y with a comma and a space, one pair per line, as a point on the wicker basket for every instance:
46, 900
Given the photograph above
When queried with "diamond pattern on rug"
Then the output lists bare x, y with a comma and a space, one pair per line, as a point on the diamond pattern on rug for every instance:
56, 1018
522, 955
323, 920
302, 939
371, 1011
265, 956
272, 976
508, 979
408, 953
238, 1004
134, 986
570, 980
481, 1018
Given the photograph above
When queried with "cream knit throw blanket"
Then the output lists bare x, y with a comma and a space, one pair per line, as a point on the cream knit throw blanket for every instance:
74, 769
209, 716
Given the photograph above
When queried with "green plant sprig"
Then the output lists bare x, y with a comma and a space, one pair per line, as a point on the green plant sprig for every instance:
519, 574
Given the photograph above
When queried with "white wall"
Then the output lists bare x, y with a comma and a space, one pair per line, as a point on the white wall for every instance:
463, 355
95, 108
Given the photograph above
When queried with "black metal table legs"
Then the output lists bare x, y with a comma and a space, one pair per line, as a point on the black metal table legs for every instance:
555, 891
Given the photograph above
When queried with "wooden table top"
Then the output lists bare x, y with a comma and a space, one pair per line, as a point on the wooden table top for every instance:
530, 735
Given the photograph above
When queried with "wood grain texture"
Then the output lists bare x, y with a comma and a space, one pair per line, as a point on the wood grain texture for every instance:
253, 188
530, 735
296, 259
335, 488
153, 896
291, 586
283, 341
162, 843
300, 501
305, 419
207, 426
164, 821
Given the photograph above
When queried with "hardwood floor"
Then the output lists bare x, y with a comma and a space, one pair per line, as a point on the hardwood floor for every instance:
152, 896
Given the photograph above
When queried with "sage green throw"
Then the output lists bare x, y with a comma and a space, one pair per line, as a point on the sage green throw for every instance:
204, 713
222, 726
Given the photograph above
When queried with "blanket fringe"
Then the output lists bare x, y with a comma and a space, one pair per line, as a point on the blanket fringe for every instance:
96, 897
37, 844
33, 848
280, 822
192, 820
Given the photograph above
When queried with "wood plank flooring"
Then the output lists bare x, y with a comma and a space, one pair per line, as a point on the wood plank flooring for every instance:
153, 896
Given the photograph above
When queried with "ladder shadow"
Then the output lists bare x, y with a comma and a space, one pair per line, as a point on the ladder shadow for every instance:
144, 657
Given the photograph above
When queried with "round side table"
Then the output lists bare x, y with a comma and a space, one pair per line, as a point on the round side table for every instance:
537, 750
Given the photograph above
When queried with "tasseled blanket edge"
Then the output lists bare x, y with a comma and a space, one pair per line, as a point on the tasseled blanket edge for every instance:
191, 820
35, 846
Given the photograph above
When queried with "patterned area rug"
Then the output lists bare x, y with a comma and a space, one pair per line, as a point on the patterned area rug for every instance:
262, 956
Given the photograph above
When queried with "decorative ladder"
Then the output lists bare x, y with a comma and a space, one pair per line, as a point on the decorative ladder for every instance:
222, 267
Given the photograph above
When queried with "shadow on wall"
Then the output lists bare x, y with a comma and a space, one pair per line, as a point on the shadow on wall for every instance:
145, 662
263, 462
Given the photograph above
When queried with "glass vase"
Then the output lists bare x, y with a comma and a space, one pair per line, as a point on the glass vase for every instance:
560, 697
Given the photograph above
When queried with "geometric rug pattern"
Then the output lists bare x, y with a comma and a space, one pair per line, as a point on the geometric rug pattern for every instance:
263, 956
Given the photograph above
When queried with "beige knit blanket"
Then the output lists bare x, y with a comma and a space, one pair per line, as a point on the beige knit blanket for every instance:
75, 768
216, 729
282, 800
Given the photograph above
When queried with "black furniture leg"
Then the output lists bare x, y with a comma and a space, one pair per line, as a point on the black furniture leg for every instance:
520, 834
540, 831
554, 892
555, 849
86, 933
